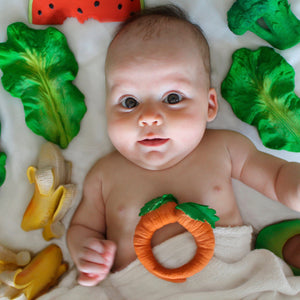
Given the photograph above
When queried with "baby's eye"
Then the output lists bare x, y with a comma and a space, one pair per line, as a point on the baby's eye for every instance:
129, 102
173, 98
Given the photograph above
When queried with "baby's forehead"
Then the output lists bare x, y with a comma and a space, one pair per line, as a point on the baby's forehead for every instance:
150, 36
151, 28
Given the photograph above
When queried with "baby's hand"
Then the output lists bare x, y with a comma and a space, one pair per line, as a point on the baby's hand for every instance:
95, 261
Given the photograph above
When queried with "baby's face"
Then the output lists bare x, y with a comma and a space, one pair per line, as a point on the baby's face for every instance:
158, 96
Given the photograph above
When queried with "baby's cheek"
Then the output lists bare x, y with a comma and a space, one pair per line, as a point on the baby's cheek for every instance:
116, 132
123, 139
193, 133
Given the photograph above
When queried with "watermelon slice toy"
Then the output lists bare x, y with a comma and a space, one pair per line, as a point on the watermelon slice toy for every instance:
46, 12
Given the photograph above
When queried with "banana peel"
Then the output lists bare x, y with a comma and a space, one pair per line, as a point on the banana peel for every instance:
53, 193
10, 263
9, 258
35, 278
41, 273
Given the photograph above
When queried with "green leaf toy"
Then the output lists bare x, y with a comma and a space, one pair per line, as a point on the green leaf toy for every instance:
39, 68
2, 165
260, 89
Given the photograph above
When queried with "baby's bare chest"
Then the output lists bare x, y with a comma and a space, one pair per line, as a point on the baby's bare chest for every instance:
207, 184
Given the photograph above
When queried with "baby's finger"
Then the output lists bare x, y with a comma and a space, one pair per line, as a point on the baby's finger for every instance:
92, 256
109, 248
109, 254
95, 244
92, 268
86, 279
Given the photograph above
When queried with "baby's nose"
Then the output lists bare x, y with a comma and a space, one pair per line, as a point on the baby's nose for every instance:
150, 118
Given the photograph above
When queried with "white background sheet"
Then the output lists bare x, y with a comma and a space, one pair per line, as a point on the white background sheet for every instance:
89, 42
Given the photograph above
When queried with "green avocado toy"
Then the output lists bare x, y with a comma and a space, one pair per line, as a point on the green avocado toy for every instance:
277, 236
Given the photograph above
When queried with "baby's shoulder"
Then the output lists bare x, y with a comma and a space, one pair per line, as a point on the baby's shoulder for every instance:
234, 143
107, 162
222, 136
103, 171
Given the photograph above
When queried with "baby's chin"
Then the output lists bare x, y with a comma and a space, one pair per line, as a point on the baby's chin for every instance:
152, 164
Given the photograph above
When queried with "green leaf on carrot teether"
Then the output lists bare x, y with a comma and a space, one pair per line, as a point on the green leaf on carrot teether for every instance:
199, 212
39, 67
156, 203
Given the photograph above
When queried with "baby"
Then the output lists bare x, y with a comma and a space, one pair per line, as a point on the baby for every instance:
159, 100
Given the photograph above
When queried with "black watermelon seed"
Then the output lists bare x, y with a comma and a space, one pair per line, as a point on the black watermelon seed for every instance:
51, 5
96, 3
39, 12
79, 10
120, 6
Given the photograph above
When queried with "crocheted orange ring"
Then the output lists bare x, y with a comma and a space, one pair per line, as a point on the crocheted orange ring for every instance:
197, 219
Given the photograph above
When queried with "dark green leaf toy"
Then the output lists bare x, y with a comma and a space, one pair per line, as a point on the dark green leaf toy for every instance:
260, 88
39, 67
2, 165
272, 20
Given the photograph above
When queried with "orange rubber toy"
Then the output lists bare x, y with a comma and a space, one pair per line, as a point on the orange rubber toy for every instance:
197, 219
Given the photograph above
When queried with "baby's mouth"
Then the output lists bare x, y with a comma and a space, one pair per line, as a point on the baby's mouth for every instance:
153, 142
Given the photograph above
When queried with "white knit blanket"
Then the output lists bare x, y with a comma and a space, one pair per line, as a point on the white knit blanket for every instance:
235, 272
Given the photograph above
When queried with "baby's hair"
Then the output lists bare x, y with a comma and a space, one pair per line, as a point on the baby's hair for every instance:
150, 20
169, 11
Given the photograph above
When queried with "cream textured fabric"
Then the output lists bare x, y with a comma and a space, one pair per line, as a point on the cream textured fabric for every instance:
235, 272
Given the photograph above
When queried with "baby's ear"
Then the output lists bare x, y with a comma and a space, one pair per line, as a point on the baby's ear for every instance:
212, 105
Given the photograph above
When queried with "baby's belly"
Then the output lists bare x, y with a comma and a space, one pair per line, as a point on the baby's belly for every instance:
124, 256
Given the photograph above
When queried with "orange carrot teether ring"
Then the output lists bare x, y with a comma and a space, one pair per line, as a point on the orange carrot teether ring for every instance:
197, 219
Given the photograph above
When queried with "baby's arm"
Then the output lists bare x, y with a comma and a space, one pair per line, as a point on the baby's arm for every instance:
272, 176
91, 253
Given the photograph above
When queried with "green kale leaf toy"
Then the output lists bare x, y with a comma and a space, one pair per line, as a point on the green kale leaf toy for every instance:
39, 67
271, 20
2, 165
260, 89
